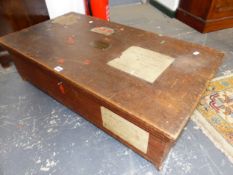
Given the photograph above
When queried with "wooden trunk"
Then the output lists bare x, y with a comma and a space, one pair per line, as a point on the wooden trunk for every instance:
206, 16
137, 86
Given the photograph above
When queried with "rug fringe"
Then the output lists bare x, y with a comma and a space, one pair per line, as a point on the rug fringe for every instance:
222, 77
213, 135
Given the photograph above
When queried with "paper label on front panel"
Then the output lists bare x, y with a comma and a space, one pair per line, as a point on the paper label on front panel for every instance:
142, 63
126, 130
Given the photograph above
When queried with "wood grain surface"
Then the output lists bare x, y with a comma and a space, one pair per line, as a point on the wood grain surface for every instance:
85, 82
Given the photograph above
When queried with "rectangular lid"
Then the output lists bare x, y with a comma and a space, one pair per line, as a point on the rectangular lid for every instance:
156, 79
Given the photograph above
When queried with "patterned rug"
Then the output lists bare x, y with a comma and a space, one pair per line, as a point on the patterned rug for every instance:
214, 114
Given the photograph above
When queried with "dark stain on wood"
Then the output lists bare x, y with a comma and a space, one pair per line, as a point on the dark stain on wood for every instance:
102, 45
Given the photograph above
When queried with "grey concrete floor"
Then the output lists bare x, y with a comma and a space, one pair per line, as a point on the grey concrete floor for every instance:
40, 136
123, 2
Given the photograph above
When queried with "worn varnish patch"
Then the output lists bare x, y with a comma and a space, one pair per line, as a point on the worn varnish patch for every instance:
66, 20
126, 130
103, 30
142, 63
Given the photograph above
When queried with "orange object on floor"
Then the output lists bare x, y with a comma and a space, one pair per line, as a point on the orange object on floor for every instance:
99, 8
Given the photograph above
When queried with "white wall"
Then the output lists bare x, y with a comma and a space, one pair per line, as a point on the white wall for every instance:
60, 7
170, 4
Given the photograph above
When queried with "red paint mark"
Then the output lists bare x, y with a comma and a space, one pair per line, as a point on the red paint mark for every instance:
70, 40
61, 88
60, 61
86, 62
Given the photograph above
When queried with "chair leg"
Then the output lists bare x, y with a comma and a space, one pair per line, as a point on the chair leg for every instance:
5, 59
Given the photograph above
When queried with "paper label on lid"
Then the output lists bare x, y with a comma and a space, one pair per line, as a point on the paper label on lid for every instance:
142, 63
126, 130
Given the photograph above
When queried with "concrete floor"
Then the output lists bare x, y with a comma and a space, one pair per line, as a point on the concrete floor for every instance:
123, 2
40, 136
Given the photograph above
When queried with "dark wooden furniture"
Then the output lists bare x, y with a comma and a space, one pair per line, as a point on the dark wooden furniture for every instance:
18, 14
137, 86
207, 15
